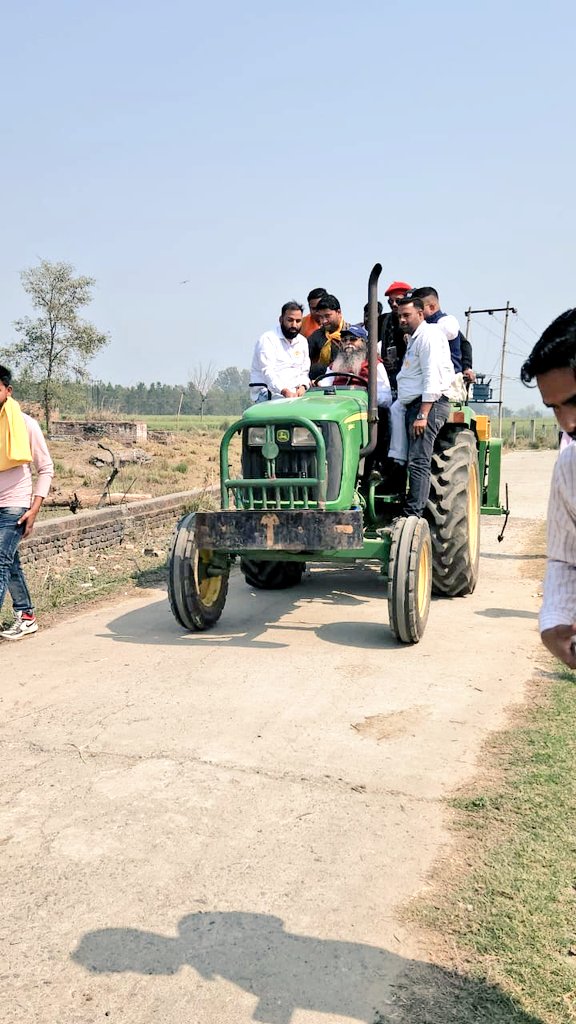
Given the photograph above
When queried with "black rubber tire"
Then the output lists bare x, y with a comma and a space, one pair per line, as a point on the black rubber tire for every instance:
196, 599
409, 579
453, 512
263, 575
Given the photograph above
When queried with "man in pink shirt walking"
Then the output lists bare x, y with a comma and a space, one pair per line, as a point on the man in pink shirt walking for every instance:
21, 444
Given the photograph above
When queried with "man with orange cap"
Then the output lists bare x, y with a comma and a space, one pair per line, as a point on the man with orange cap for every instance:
393, 343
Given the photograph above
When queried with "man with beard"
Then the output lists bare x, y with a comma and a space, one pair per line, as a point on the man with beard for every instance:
352, 357
553, 363
325, 342
422, 407
281, 364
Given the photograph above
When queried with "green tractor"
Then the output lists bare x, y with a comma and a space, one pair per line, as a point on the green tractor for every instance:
305, 494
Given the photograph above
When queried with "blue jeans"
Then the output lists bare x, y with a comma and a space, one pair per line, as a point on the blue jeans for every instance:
420, 451
11, 575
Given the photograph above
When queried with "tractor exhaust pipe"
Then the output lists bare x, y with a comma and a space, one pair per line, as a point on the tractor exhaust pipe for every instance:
372, 359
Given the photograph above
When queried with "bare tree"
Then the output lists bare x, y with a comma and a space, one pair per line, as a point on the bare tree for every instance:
57, 345
202, 379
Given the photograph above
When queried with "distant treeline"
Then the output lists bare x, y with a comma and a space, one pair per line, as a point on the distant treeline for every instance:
227, 394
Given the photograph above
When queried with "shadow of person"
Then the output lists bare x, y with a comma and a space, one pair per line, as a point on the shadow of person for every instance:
286, 971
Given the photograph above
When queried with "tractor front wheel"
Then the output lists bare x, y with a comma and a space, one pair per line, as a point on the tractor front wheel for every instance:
453, 512
197, 594
263, 575
409, 579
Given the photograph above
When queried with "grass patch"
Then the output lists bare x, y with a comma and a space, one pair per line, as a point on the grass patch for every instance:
501, 917
187, 423
512, 916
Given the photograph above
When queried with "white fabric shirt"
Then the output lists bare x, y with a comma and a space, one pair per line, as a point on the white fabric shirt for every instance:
427, 370
559, 604
383, 389
449, 325
279, 363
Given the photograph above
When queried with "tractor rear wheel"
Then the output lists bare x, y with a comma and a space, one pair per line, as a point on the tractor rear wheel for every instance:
409, 579
197, 598
453, 512
265, 575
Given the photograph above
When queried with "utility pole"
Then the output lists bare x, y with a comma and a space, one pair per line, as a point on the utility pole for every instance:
507, 309
501, 391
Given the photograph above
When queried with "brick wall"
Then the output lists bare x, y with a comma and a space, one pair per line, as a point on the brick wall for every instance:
122, 431
68, 539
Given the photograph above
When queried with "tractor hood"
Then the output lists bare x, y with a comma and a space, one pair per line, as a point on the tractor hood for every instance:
347, 405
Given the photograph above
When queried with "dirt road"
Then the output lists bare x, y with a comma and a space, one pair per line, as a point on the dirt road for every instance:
221, 827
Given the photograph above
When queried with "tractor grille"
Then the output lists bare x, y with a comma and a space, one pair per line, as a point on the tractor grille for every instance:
297, 464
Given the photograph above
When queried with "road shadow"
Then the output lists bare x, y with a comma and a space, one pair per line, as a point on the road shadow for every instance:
251, 613
507, 613
287, 972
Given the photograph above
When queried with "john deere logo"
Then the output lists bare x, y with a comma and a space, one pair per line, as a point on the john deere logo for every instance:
282, 435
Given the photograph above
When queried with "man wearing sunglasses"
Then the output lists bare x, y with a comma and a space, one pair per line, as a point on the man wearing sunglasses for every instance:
393, 341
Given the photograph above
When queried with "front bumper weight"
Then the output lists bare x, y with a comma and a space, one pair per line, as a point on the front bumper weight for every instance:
279, 530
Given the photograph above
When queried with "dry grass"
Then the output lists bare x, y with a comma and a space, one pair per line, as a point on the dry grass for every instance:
179, 462
500, 915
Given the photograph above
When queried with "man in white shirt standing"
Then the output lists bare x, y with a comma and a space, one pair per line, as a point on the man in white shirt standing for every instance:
422, 407
460, 347
553, 363
281, 362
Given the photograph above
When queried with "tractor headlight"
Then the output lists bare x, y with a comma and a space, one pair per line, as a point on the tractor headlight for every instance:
304, 437
256, 436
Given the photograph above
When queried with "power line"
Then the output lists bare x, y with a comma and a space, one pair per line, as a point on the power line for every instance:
516, 335
526, 324
507, 309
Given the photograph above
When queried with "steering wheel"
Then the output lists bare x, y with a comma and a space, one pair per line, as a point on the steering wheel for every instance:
351, 378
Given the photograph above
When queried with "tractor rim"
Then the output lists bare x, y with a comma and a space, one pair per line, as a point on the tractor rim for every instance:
423, 580
209, 587
473, 525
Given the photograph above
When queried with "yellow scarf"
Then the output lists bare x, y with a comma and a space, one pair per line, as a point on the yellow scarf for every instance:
14, 440
325, 357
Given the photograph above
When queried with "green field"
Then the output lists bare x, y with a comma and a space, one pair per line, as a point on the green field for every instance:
191, 424
546, 431
546, 434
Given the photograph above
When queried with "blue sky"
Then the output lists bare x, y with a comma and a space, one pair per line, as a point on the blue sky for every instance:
260, 150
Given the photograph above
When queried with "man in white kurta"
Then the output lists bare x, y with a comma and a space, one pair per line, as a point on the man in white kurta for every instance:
281, 361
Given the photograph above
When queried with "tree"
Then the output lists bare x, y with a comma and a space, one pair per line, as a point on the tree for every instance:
57, 345
202, 380
229, 380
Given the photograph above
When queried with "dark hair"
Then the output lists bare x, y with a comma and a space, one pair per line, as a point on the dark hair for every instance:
291, 305
380, 308
411, 300
316, 293
426, 292
5, 376
554, 350
328, 302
